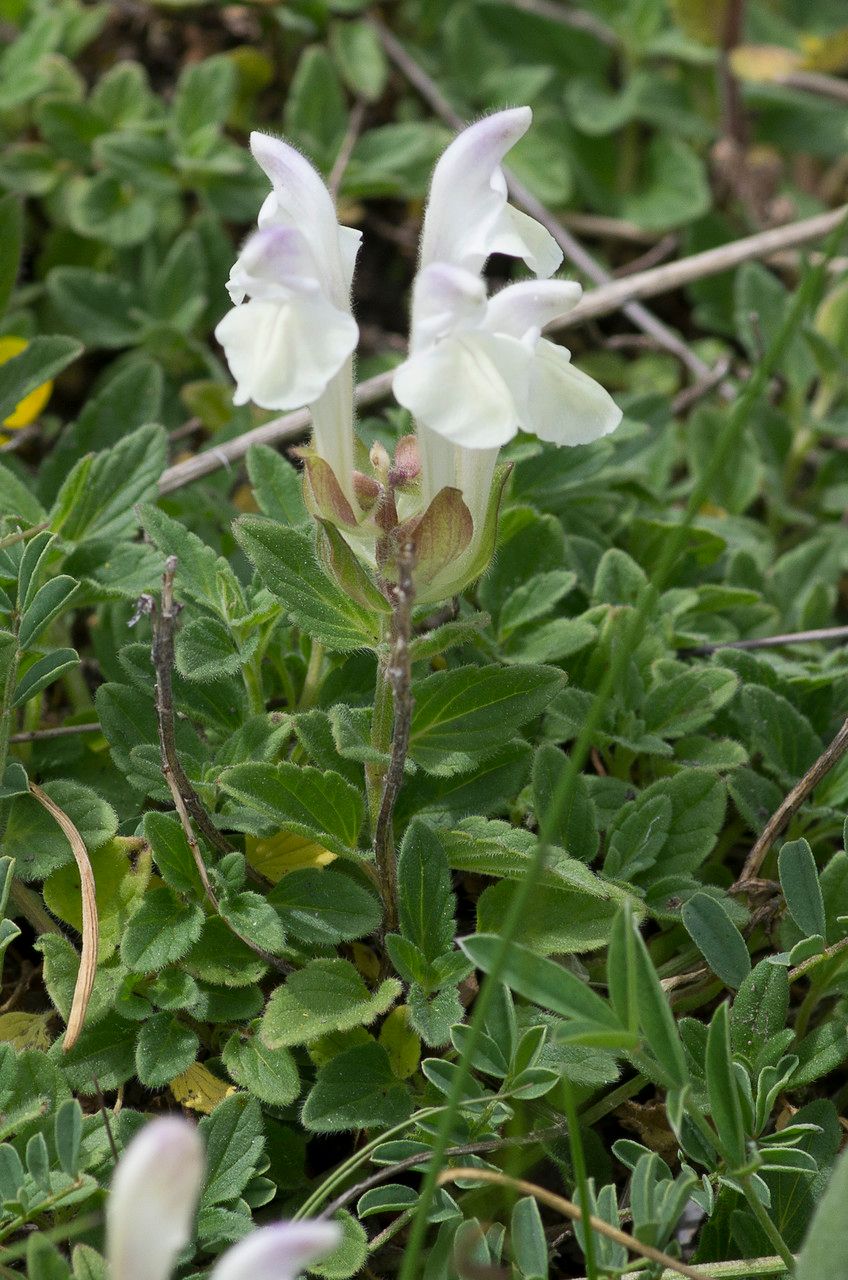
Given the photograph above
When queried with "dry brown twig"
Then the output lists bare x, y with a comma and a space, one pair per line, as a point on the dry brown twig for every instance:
186, 800
769, 642
789, 806
90, 923
399, 673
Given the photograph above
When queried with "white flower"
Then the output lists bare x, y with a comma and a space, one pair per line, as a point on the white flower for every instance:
468, 217
479, 370
290, 337
151, 1207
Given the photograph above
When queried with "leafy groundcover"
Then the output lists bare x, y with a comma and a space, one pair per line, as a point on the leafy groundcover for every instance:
615, 973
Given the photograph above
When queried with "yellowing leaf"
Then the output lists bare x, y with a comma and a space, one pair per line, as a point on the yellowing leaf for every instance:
117, 884
366, 961
401, 1043
24, 1030
764, 63
199, 1090
826, 53
701, 20
274, 856
28, 409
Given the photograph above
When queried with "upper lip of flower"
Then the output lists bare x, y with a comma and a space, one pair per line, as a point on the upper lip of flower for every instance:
468, 216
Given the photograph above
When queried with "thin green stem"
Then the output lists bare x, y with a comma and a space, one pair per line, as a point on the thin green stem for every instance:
312, 680
252, 676
758, 1209
581, 1181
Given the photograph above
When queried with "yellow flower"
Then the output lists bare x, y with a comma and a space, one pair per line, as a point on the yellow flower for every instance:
30, 407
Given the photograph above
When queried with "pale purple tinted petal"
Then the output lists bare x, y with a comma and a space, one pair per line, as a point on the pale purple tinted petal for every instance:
445, 299
467, 192
301, 200
153, 1199
279, 1252
272, 259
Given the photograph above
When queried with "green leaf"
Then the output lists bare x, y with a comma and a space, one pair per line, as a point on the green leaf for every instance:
276, 485
42, 672
528, 1240
760, 1009
286, 563
717, 938
164, 1050
324, 996
41, 360
324, 906
799, 880
234, 1148
822, 1051
105, 1050
725, 1106
673, 189
48, 602
67, 1130
171, 853
358, 53
545, 983
201, 573
97, 500
462, 716
356, 1090
100, 309
661, 1036
575, 826
161, 931
683, 701
350, 1255
558, 920
203, 96
269, 1074
781, 733
824, 1254
534, 598
321, 806
426, 901
315, 116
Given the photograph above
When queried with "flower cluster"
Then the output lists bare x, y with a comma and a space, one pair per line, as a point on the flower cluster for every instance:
478, 369
151, 1207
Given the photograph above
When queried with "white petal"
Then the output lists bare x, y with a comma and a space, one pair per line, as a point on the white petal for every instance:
567, 406
523, 310
151, 1206
523, 237
468, 389
467, 215
445, 298
282, 354
301, 200
279, 1252
350, 240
